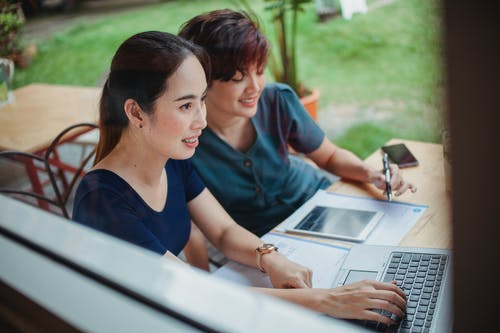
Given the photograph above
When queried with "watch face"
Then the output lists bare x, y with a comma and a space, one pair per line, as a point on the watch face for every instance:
267, 247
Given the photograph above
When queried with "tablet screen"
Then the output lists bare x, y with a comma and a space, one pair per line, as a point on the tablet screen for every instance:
336, 221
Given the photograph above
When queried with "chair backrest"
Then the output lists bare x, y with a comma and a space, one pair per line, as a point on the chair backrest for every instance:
32, 164
62, 173
58, 169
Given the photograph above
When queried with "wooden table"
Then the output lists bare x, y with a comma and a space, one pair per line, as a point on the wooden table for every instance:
38, 114
433, 229
40, 111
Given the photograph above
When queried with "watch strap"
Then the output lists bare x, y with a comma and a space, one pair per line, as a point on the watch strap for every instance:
261, 251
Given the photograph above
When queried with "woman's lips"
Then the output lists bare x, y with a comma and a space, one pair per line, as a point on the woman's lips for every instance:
191, 142
249, 102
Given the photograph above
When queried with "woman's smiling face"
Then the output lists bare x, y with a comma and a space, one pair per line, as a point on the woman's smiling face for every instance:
179, 114
238, 96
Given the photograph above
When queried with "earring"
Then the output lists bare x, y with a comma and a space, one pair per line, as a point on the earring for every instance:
140, 126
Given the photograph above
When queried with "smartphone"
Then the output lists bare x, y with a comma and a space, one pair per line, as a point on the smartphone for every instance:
401, 155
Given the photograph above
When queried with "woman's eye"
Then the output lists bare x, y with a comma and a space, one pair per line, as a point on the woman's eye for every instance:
186, 106
238, 77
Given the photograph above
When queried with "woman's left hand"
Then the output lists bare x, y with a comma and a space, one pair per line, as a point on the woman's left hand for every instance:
284, 273
398, 184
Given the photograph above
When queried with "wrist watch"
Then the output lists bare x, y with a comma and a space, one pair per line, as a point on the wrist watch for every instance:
261, 250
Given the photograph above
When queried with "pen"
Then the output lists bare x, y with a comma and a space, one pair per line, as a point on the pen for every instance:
387, 173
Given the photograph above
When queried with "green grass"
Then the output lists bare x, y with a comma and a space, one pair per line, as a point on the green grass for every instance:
372, 138
387, 60
82, 55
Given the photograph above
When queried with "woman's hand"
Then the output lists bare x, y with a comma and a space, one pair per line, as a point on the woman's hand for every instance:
284, 273
357, 300
398, 184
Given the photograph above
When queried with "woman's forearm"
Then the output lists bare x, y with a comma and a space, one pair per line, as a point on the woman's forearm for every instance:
239, 245
347, 165
233, 240
309, 298
341, 162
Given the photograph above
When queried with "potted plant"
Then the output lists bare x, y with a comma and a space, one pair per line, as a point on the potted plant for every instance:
283, 58
11, 22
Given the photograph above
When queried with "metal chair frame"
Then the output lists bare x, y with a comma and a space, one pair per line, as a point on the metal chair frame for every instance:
54, 168
63, 194
37, 193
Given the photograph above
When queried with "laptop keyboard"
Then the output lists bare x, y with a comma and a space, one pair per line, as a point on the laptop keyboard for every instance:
420, 276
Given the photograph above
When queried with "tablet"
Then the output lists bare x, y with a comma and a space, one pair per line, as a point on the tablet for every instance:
339, 223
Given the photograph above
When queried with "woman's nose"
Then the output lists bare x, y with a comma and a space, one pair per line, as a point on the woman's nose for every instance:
200, 121
254, 83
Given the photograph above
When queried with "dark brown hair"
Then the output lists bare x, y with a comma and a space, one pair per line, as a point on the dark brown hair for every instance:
139, 70
232, 39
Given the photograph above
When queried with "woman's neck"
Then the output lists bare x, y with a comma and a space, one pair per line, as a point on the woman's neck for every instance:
238, 132
223, 123
228, 127
132, 162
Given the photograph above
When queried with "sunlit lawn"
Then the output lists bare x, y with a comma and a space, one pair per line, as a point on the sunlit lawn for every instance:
387, 60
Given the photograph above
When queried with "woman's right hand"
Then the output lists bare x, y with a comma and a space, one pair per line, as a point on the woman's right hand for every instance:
357, 300
284, 273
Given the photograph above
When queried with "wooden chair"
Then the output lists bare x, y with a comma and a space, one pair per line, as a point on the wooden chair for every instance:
62, 176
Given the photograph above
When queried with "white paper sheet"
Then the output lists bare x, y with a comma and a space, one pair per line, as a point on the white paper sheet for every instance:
325, 261
398, 219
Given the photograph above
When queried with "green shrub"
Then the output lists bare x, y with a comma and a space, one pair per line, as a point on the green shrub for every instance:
11, 22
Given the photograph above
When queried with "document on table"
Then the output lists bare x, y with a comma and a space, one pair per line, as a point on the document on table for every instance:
398, 217
324, 259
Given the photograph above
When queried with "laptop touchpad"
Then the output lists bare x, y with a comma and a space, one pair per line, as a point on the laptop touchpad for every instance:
355, 276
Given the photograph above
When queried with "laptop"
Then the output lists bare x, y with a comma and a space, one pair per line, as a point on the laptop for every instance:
424, 274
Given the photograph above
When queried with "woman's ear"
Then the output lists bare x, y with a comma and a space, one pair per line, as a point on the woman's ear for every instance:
134, 113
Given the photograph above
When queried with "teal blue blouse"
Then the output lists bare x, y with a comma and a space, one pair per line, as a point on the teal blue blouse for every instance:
261, 187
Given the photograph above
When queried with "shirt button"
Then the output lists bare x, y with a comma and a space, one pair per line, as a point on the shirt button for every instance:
257, 189
247, 163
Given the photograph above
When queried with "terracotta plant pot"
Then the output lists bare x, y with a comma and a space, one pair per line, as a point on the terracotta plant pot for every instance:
310, 103
23, 59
